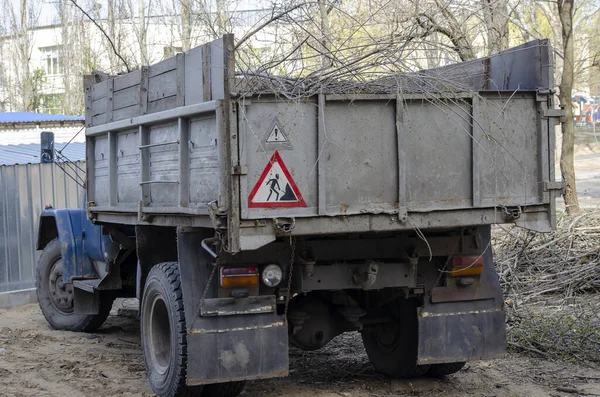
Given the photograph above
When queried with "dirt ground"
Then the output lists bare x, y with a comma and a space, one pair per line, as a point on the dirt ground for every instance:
38, 361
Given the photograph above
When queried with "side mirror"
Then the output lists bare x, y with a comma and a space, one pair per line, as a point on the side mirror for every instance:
47, 147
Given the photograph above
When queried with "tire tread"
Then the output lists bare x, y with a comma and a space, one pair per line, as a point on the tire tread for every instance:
81, 323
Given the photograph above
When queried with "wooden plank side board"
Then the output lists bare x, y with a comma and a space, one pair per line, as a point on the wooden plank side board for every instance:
124, 81
217, 69
126, 112
162, 86
193, 76
180, 79
162, 104
162, 67
206, 73
99, 119
126, 97
100, 90
98, 107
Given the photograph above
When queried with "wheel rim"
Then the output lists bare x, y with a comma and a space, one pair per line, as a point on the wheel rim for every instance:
160, 335
61, 294
387, 336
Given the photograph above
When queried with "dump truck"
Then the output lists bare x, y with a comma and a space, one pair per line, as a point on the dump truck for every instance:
246, 221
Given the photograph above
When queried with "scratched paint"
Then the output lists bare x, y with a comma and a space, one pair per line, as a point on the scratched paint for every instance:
238, 356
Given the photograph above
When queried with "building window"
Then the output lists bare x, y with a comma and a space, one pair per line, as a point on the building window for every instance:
51, 60
51, 103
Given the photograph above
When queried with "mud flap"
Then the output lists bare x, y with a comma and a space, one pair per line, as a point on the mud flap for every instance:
464, 330
225, 348
236, 348
454, 337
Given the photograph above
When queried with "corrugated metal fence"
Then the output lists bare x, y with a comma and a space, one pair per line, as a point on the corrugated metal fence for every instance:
24, 191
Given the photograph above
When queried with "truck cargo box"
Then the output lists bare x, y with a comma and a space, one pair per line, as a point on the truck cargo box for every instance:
186, 142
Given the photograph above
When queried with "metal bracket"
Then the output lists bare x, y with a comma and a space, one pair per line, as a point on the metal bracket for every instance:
402, 214
553, 113
542, 95
556, 185
239, 170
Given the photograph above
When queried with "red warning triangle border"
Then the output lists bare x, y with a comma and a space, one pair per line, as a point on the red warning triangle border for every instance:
276, 158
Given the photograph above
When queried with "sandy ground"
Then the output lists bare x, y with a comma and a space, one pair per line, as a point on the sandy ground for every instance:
38, 361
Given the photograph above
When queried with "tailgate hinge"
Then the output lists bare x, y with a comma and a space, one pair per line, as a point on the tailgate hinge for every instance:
239, 170
542, 94
554, 113
556, 185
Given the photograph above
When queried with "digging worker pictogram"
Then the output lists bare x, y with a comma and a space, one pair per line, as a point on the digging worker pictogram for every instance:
274, 186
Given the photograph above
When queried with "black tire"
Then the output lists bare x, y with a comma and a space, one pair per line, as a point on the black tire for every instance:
164, 334
56, 298
392, 347
164, 338
230, 389
440, 370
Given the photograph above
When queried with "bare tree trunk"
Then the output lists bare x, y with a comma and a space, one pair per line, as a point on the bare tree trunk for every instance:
325, 34
143, 34
567, 167
186, 26
114, 65
65, 59
221, 19
496, 21
24, 57
453, 29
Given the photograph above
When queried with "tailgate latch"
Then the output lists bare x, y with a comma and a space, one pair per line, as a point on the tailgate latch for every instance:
285, 225
512, 213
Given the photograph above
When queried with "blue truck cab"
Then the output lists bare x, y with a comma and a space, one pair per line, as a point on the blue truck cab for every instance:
81, 269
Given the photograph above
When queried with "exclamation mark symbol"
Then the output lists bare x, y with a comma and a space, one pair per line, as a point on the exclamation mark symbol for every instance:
276, 132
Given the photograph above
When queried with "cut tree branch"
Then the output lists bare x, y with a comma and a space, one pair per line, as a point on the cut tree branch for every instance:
112, 44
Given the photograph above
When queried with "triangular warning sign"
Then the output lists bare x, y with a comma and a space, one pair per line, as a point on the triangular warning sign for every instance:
275, 187
276, 134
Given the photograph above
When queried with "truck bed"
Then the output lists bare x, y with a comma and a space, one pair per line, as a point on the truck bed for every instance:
186, 143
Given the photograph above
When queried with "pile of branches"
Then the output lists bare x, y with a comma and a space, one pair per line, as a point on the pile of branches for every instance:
563, 263
551, 284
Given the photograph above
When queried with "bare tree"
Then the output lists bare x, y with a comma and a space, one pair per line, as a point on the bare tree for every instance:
567, 167
17, 53
496, 23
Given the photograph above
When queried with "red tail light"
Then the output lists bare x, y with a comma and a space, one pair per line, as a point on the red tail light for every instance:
466, 266
238, 276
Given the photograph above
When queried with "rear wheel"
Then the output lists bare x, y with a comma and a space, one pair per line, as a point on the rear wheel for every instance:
392, 347
164, 338
56, 297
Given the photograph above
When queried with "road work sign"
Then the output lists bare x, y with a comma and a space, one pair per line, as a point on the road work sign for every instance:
275, 187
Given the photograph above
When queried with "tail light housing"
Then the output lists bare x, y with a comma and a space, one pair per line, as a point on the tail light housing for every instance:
238, 276
466, 266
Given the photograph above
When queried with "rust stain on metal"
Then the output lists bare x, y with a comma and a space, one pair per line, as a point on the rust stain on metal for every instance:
223, 330
429, 314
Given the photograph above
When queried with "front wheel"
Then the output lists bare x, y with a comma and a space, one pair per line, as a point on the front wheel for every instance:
392, 347
164, 338
56, 297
